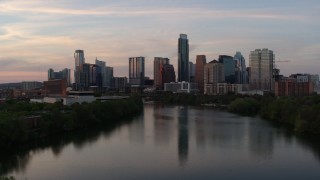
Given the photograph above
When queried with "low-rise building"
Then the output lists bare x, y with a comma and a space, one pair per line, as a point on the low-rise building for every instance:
181, 87
223, 88
56, 87
291, 87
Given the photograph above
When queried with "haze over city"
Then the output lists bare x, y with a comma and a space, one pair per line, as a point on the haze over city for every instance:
37, 35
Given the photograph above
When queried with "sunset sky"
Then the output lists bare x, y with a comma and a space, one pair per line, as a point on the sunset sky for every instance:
36, 35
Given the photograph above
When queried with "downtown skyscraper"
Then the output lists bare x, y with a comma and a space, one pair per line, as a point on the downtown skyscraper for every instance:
241, 69
229, 68
136, 72
262, 65
199, 79
63, 74
183, 58
163, 72
79, 61
157, 66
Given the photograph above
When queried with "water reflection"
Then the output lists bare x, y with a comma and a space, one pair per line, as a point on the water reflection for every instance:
261, 141
163, 124
137, 130
183, 135
179, 142
18, 159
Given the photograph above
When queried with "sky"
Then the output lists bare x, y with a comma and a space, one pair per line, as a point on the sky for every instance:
36, 35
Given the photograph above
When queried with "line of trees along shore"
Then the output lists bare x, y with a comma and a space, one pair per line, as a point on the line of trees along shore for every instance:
54, 118
301, 114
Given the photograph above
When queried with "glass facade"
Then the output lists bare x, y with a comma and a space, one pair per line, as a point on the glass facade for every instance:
102, 65
64, 74
229, 68
241, 69
183, 58
79, 61
109, 76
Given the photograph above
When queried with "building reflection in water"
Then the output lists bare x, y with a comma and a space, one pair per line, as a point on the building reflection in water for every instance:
200, 130
137, 128
261, 140
183, 135
163, 124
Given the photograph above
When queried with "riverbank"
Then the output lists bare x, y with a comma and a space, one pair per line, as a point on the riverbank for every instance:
21, 121
301, 114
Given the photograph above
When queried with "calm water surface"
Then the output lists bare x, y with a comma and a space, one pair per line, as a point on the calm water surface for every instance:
174, 142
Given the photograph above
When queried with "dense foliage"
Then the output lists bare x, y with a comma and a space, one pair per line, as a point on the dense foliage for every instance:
302, 114
196, 99
55, 118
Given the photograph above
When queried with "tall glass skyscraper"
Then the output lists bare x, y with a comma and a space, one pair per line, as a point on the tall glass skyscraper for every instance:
136, 72
79, 58
229, 68
79, 61
183, 58
261, 63
102, 66
109, 72
241, 69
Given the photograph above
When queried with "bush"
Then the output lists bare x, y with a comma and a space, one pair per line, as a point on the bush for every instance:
244, 106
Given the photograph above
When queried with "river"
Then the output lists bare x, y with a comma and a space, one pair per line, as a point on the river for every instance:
172, 142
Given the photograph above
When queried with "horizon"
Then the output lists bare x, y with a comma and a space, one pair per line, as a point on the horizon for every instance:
37, 35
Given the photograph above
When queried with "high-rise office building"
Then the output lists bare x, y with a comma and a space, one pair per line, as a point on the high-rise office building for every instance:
79, 57
136, 72
229, 68
30, 85
95, 78
199, 79
213, 74
50, 74
192, 72
157, 74
120, 83
102, 66
183, 58
241, 69
79, 61
168, 74
262, 65
64, 74
84, 77
109, 76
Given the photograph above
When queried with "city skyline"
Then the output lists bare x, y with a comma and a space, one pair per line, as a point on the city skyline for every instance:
37, 35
